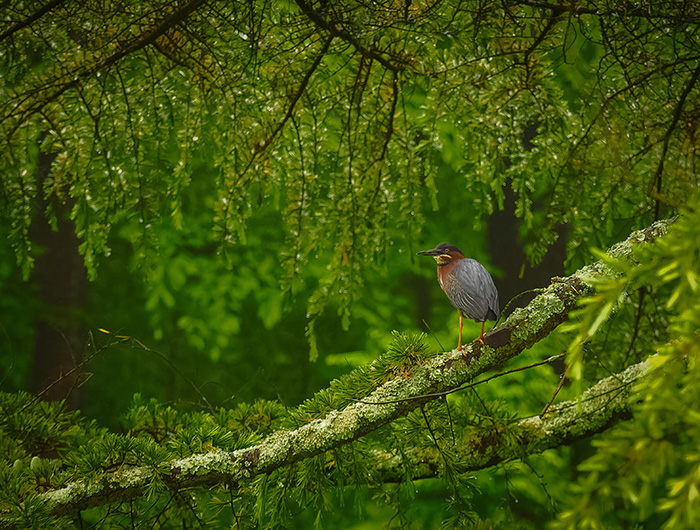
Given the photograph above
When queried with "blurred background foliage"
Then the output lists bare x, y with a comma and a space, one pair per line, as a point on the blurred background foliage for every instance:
247, 184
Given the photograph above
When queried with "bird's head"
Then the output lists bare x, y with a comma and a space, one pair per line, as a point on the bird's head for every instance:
443, 253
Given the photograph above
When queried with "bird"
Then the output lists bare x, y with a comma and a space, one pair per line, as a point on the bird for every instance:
467, 284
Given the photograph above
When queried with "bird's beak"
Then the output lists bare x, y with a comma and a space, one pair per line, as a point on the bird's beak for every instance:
431, 252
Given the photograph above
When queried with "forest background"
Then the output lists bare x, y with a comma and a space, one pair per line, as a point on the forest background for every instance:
210, 212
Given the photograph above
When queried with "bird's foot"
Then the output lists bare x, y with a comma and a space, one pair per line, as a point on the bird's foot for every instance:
467, 355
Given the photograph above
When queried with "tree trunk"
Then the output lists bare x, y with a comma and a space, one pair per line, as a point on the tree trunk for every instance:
61, 278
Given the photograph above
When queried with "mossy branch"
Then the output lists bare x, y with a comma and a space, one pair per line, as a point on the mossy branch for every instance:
393, 399
599, 408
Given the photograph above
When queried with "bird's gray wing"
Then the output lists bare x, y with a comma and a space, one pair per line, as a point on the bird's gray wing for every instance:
472, 291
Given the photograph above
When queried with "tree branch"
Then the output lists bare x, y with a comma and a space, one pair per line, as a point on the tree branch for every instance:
523, 328
78, 77
335, 31
686, 16
655, 182
30, 19
599, 408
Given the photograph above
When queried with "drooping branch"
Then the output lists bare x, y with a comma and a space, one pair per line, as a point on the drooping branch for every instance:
336, 31
261, 146
523, 328
654, 187
30, 19
78, 77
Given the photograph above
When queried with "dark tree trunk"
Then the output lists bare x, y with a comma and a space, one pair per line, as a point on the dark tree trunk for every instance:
61, 277
508, 253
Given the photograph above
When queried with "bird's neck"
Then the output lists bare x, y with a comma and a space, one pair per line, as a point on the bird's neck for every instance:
442, 272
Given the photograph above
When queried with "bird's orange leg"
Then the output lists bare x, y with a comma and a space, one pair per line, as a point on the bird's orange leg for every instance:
480, 338
459, 344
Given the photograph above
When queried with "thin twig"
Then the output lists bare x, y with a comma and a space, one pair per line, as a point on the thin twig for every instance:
430, 429
462, 387
655, 181
562, 378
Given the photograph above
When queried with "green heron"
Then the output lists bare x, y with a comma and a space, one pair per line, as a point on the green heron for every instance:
467, 284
